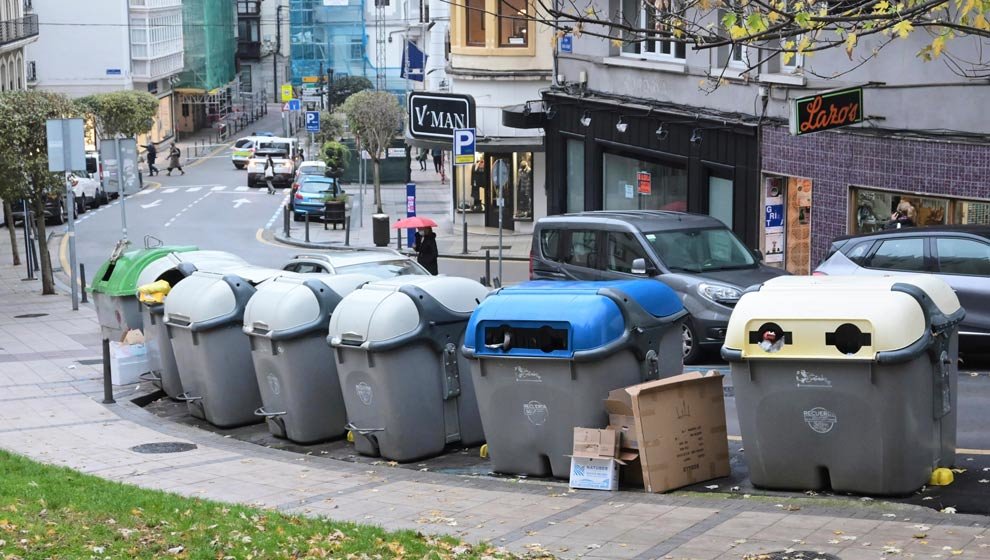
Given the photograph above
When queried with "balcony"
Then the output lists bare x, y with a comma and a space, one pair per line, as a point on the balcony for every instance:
154, 4
248, 50
14, 30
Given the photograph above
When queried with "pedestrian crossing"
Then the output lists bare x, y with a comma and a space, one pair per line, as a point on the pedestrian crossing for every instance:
192, 189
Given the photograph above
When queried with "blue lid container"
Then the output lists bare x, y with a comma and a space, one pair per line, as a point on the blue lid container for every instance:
551, 319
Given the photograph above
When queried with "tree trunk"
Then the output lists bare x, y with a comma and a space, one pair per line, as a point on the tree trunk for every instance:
378, 187
8, 218
47, 279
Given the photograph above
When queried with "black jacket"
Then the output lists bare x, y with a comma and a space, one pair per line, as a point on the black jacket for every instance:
426, 246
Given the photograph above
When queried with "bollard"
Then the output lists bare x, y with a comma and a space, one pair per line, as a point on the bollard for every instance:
82, 280
307, 226
347, 231
107, 386
398, 239
488, 267
285, 220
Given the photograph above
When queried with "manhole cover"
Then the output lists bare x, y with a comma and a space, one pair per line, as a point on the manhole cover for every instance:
30, 315
792, 555
165, 447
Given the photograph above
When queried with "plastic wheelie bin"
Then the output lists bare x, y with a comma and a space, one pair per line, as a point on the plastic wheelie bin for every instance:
287, 321
546, 354
846, 383
406, 388
114, 289
172, 268
204, 317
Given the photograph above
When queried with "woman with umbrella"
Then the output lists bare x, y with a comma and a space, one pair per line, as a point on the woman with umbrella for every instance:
426, 241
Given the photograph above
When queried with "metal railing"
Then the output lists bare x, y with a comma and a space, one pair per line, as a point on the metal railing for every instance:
20, 28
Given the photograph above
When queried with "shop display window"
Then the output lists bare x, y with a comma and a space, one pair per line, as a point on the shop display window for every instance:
632, 184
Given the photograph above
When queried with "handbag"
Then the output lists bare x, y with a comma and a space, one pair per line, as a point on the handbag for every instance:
269, 172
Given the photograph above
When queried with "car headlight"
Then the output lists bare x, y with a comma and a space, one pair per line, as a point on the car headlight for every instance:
719, 293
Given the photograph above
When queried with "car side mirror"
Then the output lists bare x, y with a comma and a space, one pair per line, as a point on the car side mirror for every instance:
758, 254
641, 268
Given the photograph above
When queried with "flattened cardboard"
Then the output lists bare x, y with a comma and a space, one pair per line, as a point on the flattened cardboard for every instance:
591, 442
621, 418
681, 430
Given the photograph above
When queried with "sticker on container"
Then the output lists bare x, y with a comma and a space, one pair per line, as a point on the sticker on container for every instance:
523, 374
536, 412
274, 384
364, 392
807, 378
820, 419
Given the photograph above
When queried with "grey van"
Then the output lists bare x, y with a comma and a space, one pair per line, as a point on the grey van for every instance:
696, 255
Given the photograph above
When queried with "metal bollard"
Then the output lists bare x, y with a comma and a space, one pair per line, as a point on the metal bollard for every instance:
307, 226
285, 221
347, 231
398, 239
488, 267
107, 386
82, 280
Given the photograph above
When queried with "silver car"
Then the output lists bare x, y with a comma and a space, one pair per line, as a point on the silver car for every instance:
959, 255
383, 263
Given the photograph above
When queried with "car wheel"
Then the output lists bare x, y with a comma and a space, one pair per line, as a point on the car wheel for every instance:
239, 165
81, 205
689, 337
297, 217
59, 217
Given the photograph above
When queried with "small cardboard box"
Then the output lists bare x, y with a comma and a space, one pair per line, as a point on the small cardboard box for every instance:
680, 429
596, 459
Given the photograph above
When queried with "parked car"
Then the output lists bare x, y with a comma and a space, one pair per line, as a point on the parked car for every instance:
383, 263
87, 190
94, 169
317, 168
959, 255
312, 192
284, 168
244, 149
696, 255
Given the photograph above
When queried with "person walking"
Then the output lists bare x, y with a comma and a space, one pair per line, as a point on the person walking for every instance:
174, 159
152, 155
270, 173
437, 160
426, 246
421, 158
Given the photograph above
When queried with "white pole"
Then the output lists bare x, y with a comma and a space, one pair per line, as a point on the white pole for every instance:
120, 188
70, 198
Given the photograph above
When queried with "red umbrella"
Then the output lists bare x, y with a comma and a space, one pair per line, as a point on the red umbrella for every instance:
414, 222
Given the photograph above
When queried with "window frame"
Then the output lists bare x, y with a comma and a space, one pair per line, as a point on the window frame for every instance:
645, 252
490, 22
675, 51
510, 21
927, 262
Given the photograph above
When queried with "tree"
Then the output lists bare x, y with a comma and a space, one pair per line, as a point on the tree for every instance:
337, 156
787, 28
331, 128
374, 117
11, 189
347, 86
22, 132
121, 113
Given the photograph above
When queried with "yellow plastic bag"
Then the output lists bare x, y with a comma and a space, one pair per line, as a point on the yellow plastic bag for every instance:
154, 292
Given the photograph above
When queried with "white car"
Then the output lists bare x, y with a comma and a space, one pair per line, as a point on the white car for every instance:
380, 262
284, 170
88, 191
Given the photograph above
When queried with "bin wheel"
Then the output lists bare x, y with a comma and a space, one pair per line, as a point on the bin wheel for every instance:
689, 337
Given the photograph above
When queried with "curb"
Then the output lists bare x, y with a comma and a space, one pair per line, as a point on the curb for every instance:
337, 245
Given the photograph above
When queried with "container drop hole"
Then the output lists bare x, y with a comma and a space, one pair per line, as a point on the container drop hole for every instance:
545, 338
109, 272
848, 339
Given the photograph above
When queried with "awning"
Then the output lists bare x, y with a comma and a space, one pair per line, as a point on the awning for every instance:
527, 115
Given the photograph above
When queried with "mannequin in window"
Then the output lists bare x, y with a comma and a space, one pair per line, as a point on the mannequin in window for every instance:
479, 179
525, 191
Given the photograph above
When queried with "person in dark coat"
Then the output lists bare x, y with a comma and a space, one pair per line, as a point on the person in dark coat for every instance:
903, 217
426, 246
152, 155
174, 159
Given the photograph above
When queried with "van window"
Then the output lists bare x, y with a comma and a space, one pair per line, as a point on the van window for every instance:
963, 256
900, 254
583, 250
550, 244
623, 249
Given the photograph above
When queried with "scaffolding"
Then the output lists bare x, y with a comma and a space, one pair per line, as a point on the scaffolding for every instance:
210, 37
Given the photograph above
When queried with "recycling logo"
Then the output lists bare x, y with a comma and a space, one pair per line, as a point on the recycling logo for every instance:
820, 420
536, 412
274, 385
364, 392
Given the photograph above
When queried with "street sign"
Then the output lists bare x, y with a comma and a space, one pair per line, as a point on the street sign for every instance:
66, 146
312, 121
435, 116
310, 79
826, 110
464, 146
567, 43
293, 105
286, 92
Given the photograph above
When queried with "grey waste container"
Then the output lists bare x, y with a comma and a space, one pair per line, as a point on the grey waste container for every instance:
846, 383
545, 355
286, 321
204, 317
172, 268
406, 388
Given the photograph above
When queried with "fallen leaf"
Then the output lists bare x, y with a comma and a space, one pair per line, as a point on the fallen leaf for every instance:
176, 549
949, 509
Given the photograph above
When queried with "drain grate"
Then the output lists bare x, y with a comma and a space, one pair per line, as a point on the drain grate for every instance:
495, 247
30, 315
165, 447
90, 362
792, 555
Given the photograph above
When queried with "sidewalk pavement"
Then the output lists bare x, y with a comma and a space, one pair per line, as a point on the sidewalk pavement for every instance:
433, 200
51, 389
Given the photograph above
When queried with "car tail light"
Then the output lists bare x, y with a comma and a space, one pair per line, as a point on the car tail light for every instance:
530, 264
818, 273
299, 196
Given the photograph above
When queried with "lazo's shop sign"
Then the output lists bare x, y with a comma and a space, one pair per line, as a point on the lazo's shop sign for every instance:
827, 110
435, 116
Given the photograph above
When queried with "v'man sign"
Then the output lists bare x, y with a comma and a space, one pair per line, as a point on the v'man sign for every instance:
826, 110
435, 116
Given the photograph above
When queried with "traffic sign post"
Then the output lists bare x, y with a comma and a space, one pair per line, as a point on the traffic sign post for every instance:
464, 147
501, 177
410, 212
293, 105
312, 121
67, 153
286, 92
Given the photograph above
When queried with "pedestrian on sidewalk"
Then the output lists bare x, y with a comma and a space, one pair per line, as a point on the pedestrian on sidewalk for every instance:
270, 173
152, 155
426, 246
174, 159
437, 159
421, 158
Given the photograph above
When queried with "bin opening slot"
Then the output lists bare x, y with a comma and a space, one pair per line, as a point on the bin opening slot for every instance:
848, 339
172, 276
771, 337
545, 338
109, 272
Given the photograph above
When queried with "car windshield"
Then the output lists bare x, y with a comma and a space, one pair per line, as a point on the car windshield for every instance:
385, 269
700, 250
316, 187
311, 170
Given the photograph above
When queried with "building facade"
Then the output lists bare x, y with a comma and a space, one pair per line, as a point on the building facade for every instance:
131, 44
262, 46
17, 30
641, 124
208, 89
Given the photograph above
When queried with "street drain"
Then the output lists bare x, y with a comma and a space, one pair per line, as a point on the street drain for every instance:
792, 555
30, 315
90, 362
165, 447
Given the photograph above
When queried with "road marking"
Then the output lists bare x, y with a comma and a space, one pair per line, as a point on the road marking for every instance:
180, 212
241, 201
194, 189
152, 205
241, 188
220, 188
169, 190
278, 212
142, 192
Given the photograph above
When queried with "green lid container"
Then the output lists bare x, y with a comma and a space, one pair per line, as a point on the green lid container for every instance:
120, 278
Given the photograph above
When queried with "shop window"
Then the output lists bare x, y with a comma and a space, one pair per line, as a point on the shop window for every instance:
649, 16
720, 199
583, 250
963, 256
631, 184
622, 250
475, 28
513, 24
523, 183
575, 175
873, 209
900, 254
972, 213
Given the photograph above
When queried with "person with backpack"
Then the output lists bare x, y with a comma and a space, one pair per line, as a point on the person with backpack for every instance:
174, 159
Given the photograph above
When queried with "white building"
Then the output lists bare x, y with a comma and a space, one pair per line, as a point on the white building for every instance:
129, 44
17, 30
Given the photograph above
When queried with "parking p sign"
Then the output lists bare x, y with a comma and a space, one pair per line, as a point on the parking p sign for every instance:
464, 146
312, 121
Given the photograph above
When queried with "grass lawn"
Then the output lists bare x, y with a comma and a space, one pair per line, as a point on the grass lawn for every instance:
53, 512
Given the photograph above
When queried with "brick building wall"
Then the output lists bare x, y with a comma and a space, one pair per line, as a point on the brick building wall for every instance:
836, 161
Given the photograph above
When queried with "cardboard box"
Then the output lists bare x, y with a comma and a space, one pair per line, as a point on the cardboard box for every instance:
680, 429
596, 459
